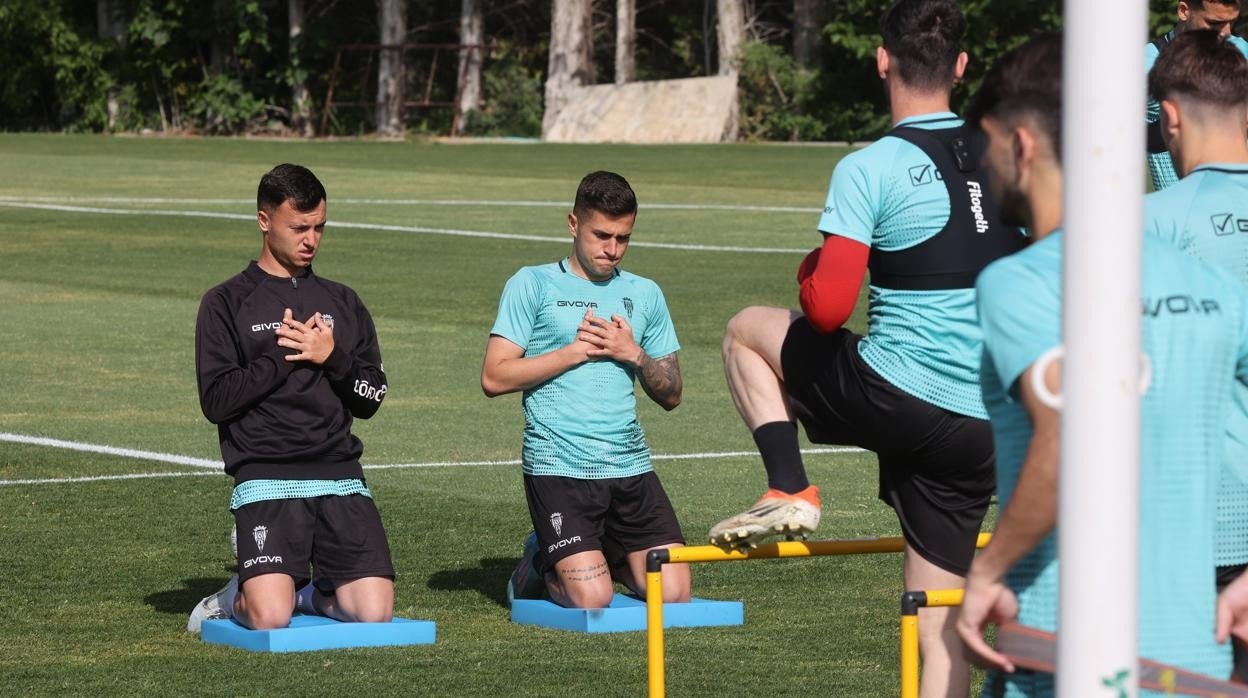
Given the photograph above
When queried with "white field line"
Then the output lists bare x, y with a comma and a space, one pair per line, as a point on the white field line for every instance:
212, 467
401, 202
394, 228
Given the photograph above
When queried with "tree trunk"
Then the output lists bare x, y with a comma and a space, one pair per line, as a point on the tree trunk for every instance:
300, 99
731, 15
571, 63
471, 32
808, 19
222, 36
625, 41
111, 26
392, 20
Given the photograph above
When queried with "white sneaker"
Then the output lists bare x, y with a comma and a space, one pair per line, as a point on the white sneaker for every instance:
776, 513
214, 607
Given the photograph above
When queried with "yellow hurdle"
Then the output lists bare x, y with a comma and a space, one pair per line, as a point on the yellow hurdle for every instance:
911, 602
655, 661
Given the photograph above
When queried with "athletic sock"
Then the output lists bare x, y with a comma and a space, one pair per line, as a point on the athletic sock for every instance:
225, 597
777, 444
303, 599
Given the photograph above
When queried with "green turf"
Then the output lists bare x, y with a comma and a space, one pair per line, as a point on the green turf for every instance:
98, 314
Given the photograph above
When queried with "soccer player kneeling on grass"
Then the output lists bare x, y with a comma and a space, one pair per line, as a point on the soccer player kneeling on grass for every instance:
1195, 335
574, 335
286, 359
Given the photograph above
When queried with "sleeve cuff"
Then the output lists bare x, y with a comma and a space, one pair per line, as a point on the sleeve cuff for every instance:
337, 364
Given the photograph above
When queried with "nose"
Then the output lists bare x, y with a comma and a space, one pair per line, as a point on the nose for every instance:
1225, 31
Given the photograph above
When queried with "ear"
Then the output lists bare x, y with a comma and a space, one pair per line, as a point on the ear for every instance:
1023, 147
1171, 119
959, 67
882, 62
1185, 12
572, 224
262, 219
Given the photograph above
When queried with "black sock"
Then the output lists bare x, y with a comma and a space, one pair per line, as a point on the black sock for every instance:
777, 444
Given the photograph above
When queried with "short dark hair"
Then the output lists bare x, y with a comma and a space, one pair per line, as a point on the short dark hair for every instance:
1200, 4
293, 183
1201, 65
1025, 82
925, 38
604, 192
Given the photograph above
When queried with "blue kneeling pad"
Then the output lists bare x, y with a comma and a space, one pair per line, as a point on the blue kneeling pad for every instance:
626, 613
307, 633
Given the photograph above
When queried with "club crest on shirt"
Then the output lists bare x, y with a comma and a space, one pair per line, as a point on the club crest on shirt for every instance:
628, 307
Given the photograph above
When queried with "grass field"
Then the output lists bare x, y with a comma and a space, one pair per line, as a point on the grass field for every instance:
106, 245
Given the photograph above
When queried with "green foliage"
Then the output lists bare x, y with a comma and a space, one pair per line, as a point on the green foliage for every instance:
512, 101
222, 105
776, 96
53, 72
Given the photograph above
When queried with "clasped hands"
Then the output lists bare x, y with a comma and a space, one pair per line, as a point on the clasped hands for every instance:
609, 339
312, 340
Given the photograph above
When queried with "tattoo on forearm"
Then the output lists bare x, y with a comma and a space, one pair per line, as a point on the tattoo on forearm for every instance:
660, 378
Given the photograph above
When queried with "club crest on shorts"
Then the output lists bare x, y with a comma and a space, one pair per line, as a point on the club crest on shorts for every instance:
260, 533
628, 307
329, 320
556, 522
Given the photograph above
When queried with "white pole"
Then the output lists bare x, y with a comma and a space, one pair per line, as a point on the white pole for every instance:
1098, 537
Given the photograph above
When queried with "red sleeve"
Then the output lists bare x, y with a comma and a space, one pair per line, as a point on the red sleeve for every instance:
830, 279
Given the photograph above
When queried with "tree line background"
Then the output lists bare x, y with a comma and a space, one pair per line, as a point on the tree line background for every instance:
806, 71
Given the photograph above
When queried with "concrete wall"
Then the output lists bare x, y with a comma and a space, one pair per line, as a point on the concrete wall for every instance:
693, 110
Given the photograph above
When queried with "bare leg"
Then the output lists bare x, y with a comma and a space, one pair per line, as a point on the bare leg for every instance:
265, 602
364, 600
677, 579
752, 343
945, 671
581, 580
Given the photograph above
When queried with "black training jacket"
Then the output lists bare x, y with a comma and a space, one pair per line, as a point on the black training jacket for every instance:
280, 419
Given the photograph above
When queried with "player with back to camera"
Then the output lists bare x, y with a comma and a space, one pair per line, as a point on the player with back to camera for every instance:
914, 209
1194, 332
286, 360
1200, 83
573, 336
1218, 16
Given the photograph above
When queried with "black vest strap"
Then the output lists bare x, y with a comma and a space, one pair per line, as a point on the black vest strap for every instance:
973, 237
1157, 144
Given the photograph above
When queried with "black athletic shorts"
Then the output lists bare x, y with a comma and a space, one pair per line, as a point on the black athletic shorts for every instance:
617, 516
937, 468
341, 537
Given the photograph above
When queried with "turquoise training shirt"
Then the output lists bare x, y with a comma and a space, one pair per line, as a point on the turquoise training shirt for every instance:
1160, 165
583, 422
927, 343
1195, 333
1206, 214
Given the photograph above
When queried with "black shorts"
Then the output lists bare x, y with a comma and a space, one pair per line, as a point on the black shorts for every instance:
617, 516
937, 468
341, 537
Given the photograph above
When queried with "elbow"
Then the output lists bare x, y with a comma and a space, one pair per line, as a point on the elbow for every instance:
213, 413
672, 401
490, 386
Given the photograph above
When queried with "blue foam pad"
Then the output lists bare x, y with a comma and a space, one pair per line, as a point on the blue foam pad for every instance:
308, 633
626, 613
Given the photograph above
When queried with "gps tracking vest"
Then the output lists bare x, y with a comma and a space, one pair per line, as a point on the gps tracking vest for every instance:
973, 237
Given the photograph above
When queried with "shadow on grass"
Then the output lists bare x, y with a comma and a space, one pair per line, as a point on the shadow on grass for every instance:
488, 579
182, 601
